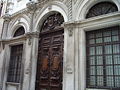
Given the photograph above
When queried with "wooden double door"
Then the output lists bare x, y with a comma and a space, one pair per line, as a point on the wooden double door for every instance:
50, 61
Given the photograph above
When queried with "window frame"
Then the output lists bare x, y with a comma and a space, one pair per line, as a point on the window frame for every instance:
22, 63
95, 54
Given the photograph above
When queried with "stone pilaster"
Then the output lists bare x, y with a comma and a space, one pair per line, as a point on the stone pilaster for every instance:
31, 6
69, 59
6, 18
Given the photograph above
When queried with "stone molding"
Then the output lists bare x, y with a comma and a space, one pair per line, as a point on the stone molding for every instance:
6, 17
20, 38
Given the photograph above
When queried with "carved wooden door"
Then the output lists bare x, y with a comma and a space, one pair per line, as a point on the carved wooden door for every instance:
50, 60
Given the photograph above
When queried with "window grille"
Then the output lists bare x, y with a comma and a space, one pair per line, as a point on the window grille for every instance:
19, 32
14, 72
102, 8
103, 58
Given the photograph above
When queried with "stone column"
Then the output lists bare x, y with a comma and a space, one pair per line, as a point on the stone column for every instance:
5, 26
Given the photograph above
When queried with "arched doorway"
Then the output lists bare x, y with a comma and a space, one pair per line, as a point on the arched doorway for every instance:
50, 54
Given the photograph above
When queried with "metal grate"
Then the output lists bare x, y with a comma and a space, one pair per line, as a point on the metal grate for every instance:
103, 58
14, 71
102, 8
19, 32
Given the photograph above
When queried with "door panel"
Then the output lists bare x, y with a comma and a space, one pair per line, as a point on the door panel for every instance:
50, 61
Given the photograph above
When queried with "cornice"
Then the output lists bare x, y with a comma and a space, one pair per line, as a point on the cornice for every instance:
111, 16
20, 38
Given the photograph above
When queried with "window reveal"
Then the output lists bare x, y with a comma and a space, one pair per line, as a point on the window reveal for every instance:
14, 72
103, 58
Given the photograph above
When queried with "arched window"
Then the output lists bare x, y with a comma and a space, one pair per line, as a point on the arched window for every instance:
101, 8
20, 31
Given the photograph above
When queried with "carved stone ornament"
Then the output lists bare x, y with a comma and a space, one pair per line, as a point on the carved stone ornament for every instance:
69, 69
52, 22
28, 70
19, 20
2, 45
49, 7
31, 6
30, 41
6, 17
70, 31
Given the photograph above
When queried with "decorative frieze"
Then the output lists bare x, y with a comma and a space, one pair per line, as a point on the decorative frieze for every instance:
31, 6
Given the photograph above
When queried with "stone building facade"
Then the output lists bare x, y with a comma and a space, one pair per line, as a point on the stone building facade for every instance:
60, 45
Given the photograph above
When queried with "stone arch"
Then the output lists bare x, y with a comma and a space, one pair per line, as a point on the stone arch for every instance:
82, 11
49, 9
101, 8
17, 23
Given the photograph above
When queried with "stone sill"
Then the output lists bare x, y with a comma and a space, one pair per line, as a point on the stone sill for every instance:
97, 89
12, 83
